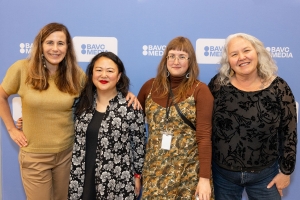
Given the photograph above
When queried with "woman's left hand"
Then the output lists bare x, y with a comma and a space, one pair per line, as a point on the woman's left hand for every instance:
137, 188
281, 181
19, 123
132, 99
203, 190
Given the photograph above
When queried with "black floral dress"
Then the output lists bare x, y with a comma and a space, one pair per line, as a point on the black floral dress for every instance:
119, 154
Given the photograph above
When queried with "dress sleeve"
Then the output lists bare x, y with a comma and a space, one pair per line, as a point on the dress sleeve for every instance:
204, 108
287, 128
138, 131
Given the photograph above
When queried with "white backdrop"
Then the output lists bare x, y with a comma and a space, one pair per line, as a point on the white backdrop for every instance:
138, 32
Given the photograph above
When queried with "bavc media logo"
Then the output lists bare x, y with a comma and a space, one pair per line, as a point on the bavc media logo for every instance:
280, 52
87, 47
153, 50
25, 48
209, 51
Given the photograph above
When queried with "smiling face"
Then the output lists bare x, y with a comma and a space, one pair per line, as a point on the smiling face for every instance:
179, 66
242, 57
55, 48
105, 75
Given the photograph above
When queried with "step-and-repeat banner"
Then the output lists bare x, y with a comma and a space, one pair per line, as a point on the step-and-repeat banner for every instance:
138, 31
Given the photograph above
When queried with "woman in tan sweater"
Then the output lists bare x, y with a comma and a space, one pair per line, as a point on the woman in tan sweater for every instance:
47, 82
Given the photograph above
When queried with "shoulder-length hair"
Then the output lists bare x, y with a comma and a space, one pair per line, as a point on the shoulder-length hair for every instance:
86, 99
266, 68
68, 78
161, 83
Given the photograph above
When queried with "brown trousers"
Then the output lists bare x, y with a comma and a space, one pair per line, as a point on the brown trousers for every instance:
45, 176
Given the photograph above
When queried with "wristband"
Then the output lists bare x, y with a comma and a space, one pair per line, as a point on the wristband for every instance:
138, 176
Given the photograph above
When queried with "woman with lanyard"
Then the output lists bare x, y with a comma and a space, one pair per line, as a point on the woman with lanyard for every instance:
178, 108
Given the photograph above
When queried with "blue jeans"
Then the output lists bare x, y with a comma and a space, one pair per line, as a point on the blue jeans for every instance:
229, 185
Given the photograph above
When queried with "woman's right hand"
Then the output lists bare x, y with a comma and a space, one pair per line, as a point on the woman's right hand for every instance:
138, 186
5, 113
18, 137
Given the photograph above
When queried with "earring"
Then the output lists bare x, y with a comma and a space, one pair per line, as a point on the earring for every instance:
168, 73
187, 75
231, 73
44, 62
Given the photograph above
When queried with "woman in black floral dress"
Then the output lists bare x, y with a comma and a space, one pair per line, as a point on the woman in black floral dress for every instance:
108, 153
254, 123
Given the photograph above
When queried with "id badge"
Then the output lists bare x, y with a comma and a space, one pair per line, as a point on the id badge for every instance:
166, 140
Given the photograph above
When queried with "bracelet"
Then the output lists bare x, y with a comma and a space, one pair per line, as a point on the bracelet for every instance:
137, 176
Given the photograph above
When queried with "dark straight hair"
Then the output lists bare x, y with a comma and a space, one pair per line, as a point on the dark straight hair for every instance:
86, 99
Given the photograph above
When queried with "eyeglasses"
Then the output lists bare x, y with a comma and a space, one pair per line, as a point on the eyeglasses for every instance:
180, 58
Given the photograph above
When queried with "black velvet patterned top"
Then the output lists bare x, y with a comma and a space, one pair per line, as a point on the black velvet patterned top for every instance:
252, 130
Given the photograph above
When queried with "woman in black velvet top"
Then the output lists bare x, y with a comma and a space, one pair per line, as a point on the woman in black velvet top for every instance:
254, 123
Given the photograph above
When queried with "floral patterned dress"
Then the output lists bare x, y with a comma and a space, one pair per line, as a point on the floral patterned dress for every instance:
120, 152
170, 174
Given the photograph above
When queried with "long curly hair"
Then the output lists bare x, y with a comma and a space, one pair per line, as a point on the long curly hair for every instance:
86, 99
161, 83
68, 71
266, 68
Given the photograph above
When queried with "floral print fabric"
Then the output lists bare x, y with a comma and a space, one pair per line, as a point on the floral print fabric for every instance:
170, 174
251, 130
120, 152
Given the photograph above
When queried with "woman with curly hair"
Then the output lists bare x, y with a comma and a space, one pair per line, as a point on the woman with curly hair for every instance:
254, 123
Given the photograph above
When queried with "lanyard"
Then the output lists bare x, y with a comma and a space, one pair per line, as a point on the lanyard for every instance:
167, 106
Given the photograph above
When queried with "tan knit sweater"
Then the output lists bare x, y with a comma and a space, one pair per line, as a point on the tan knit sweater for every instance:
47, 115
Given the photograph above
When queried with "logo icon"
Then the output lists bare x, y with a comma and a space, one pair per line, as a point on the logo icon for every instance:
25, 48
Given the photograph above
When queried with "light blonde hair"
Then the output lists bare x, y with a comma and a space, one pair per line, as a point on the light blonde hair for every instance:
68, 79
161, 83
266, 68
